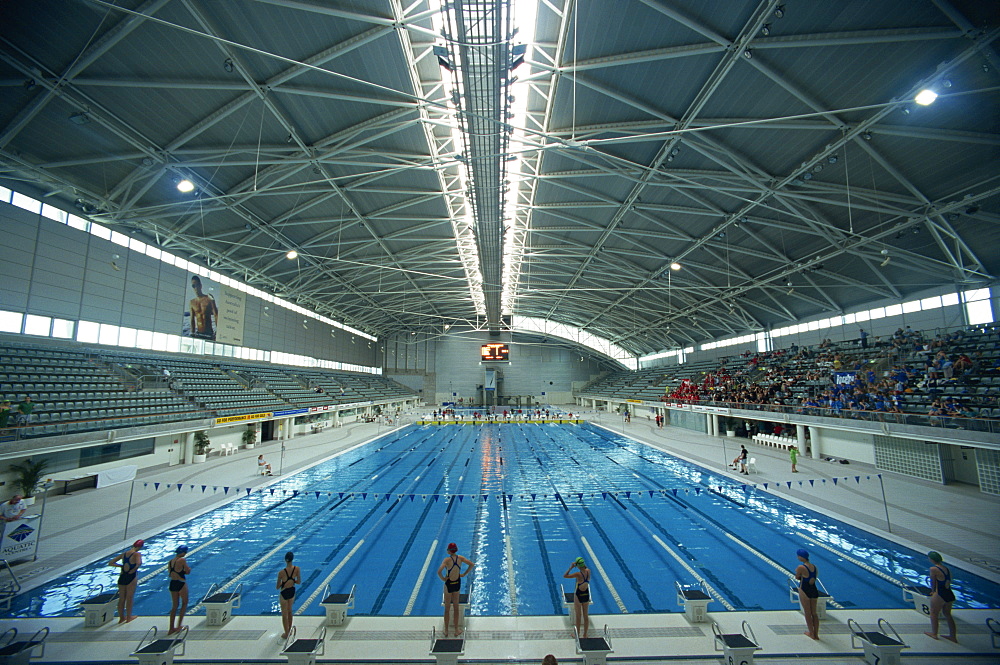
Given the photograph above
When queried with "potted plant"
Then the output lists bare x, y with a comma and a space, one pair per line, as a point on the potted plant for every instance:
202, 446
250, 436
28, 475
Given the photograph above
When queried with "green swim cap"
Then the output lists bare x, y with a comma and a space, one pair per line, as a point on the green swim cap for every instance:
934, 556
579, 561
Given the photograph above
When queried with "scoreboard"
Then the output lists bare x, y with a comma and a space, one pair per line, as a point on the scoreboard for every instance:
494, 351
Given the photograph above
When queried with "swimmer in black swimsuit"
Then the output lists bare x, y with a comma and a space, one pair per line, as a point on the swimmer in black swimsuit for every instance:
130, 559
808, 593
178, 568
581, 597
942, 597
288, 577
450, 572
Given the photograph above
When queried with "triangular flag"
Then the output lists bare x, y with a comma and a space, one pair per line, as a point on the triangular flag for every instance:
436, 497
179, 487
295, 492
156, 486
580, 496
272, 491
857, 479
812, 482
364, 495
533, 497
834, 480
765, 485
341, 495
697, 491
745, 488
789, 483
628, 495
650, 493
225, 490
317, 495
674, 491
249, 490
604, 495
485, 497
411, 497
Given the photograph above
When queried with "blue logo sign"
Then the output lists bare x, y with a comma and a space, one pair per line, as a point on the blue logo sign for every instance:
20, 533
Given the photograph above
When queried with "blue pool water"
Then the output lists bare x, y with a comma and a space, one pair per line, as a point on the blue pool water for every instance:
522, 501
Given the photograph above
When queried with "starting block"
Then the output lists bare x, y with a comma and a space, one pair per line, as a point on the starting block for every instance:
594, 650
304, 651
337, 604
994, 628
219, 605
153, 651
99, 608
920, 596
824, 596
569, 599
695, 599
446, 650
880, 648
736, 648
19, 652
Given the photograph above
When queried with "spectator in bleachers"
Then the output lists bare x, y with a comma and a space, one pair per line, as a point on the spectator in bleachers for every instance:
25, 411
4, 413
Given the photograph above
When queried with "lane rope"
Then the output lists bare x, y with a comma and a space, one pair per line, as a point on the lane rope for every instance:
280, 546
420, 579
328, 578
607, 580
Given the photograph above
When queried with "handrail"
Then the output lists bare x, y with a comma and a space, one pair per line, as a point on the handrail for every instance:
8, 589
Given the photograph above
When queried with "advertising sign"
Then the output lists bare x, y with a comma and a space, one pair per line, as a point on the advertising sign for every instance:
20, 538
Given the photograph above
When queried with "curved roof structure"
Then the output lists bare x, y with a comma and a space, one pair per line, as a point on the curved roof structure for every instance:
464, 162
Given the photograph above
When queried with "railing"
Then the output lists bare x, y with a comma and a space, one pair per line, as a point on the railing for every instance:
9, 586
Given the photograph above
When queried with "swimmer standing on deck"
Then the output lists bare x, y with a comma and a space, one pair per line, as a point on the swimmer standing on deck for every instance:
581, 596
128, 580
288, 577
179, 569
450, 572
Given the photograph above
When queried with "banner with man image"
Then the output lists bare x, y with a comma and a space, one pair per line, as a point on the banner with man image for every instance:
214, 311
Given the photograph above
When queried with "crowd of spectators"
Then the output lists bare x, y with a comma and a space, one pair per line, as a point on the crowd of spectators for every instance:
944, 377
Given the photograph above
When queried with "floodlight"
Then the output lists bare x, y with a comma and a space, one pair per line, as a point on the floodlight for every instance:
925, 97
185, 186
292, 255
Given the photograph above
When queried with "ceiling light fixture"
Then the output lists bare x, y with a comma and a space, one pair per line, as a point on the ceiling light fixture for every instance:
748, 54
925, 97
867, 136
185, 186
675, 266
765, 29
228, 65
292, 255
779, 11
80, 118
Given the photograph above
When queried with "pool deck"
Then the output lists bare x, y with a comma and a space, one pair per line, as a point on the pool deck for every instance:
961, 523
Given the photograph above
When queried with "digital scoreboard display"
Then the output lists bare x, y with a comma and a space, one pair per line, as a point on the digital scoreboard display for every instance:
494, 351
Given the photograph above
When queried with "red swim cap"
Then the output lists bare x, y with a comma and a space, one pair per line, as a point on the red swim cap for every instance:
452, 547
138, 543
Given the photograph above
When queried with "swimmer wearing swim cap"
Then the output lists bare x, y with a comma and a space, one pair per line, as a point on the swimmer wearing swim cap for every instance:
450, 572
806, 573
942, 596
581, 595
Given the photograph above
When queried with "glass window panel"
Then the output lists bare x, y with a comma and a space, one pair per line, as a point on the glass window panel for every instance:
174, 343
144, 339
5, 194
78, 223
137, 245
126, 337
912, 306
53, 213
153, 252
63, 329
120, 238
26, 202
850, 318
976, 294
100, 231
876, 313
862, 316
11, 321
949, 299
109, 334
980, 311
813, 325
930, 303
159, 341
37, 325
88, 332
894, 310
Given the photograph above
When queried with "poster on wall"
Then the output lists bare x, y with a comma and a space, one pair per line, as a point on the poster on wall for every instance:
214, 312
490, 380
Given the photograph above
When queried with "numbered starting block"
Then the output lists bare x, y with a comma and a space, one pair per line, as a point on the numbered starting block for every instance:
18, 652
695, 599
303, 651
569, 599
594, 650
219, 605
736, 648
882, 646
99, 608
920, 596
153, 651
824, 597
446, 650
336, 605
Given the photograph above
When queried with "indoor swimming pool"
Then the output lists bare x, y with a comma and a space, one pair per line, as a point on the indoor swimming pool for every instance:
522, 501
